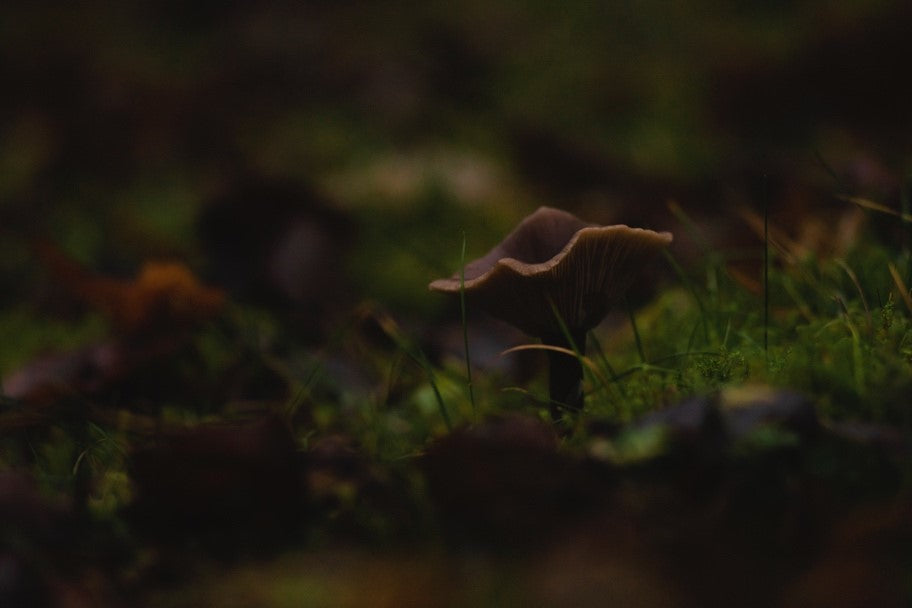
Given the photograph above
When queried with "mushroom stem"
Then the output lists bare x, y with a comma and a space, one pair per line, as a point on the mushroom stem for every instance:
565, 376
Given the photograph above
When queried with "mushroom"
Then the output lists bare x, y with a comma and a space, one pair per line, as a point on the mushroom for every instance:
555, 277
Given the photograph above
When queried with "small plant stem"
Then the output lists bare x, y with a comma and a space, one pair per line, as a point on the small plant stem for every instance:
565, 375
829, 169
766, 249
465, 330
391, 329
636, 332
607, 368
688, 284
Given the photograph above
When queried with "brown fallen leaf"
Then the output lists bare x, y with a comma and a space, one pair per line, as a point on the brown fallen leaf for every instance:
164, 295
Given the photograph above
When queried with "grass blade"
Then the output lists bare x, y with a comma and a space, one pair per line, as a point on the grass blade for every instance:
766, 266
865, 203
901, 285
391, 329
636, 331
465, 330
565, 351
854, 278
689, 286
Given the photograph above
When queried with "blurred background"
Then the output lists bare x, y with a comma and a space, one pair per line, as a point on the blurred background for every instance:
301, 152
309, 167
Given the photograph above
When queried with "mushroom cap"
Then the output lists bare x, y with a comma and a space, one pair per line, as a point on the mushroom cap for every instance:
555, 261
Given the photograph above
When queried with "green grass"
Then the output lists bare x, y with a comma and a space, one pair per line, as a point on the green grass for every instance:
833, 332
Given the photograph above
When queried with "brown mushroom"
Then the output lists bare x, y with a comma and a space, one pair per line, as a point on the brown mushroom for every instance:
555, 277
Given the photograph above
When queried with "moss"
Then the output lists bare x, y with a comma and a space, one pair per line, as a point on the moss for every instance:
846, 349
